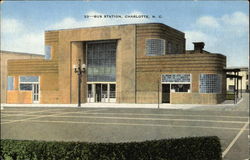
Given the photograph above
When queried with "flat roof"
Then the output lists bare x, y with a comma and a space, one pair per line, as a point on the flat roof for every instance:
23, 53
116, 25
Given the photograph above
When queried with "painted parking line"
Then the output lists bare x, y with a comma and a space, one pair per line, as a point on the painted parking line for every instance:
5, 120
40, 111
235, 139
184, 115
13, 111
134, 124
27, 113
25, 119
142, 119
42, 116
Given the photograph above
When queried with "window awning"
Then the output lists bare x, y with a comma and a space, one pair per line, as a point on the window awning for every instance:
231, 69
233, 76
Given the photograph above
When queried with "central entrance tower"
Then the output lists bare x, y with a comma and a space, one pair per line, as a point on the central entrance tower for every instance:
101, 71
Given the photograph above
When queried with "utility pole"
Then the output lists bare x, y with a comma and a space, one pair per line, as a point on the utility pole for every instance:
158, 94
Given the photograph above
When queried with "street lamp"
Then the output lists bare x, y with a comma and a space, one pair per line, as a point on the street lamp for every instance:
79, 69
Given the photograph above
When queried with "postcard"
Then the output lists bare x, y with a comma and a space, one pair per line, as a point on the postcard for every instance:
146, 79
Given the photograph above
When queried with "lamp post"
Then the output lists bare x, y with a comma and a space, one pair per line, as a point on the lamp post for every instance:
79, 69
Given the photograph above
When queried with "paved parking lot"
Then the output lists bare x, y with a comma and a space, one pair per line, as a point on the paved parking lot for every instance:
119, 125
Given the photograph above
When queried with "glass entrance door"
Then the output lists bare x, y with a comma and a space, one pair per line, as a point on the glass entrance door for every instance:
101, 92
104, 94
35, 93
165, 93
98, 92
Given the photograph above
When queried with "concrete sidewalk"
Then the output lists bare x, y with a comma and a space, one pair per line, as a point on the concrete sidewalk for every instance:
123, 105
242, 105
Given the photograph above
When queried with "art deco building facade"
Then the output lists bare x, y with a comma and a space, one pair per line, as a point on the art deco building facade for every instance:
135, 63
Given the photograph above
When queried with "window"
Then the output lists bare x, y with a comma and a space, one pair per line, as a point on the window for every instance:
178, 82
101, 61
170, 49
29, 79
247, 77
155, 47
112, 91
176, 49
26, 82
10, 83
231, 87
210, 83
25, 87
47, 52
180, 87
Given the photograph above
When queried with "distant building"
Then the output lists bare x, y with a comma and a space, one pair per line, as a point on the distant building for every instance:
244, 73
8, 55
134, 63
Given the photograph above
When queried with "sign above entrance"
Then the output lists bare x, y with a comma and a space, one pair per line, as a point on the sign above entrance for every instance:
176, 78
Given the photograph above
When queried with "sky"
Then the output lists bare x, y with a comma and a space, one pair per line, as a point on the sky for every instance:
222, 25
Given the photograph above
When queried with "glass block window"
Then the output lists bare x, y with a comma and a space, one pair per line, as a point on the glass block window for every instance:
170, 48
29, 79
176, 49
47, 52
10, 83
155, 47
176, 78
101, 61
210, 83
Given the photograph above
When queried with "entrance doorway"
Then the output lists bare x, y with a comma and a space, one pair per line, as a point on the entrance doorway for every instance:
101, 92
98, 92
165, 93
35, 93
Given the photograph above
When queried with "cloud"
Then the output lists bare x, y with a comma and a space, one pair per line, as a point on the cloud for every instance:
70, 22
208, 21
14, 37
11, 26
28, 42
199, 36
226, 34
237, 18
67, 22
237, 22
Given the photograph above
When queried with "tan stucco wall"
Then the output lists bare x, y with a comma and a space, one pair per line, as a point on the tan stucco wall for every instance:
23, 97
8, 55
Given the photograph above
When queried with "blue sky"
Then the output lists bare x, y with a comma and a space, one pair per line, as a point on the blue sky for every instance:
222, 25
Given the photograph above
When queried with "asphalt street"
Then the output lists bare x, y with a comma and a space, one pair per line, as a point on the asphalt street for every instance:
123, 125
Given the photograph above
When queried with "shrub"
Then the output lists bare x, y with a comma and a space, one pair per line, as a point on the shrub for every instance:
192, 148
